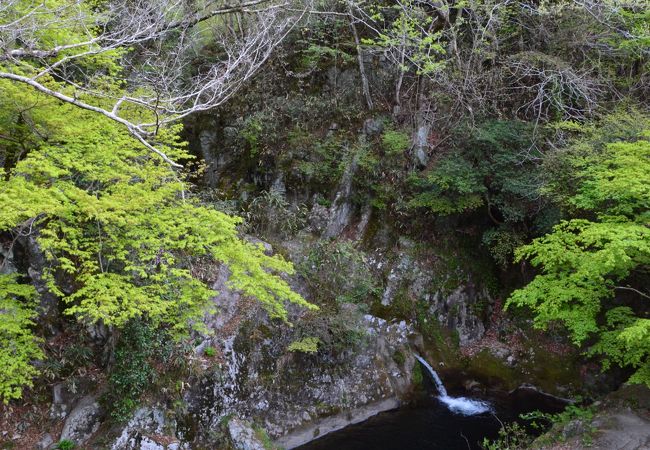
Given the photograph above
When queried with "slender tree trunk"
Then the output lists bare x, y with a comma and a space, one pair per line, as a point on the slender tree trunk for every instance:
362, 67
400, 79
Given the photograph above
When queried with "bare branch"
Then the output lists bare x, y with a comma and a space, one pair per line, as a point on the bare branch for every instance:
628, 288
158, 43
133, 129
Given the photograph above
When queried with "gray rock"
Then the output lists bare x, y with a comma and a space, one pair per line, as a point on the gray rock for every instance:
45, 443
340, 213
83, 420
7, 260
284, 391
64, 396
332, 129
395, 277
373, 127
421, 145
455, 311
318, 218
621, 430
472, 385
501, 352
574, 428
49, 311
147, 443
243, 436
343, 82
135, 435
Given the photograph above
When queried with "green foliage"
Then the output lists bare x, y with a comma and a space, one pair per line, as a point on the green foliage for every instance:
512, 436
323, 44
340, 280
65, 444
583, 260
264, 438
491, 168
556, 423
210, 352
584, 146
305, 345
251, 133
319, 161
416, 375
133, 370
626, 342
395, 141
67, 361
380, 167
616, 182
316, 55
117, 228
115, 221
19, 347
338, 271
334, 329
68, 34
488, 167
271, 214
572, 412
454, 186
502, 242
399, 357
407, 26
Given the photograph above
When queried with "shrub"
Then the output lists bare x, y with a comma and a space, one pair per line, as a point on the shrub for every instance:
512, 436
339, 272
395, 142
18, 345
132, 371
65, 444
305, 345
271, 213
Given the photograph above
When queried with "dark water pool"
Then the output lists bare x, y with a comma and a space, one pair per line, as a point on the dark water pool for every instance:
427, 424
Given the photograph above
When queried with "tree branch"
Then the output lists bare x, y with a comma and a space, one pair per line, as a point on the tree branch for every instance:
135, 130
628, 288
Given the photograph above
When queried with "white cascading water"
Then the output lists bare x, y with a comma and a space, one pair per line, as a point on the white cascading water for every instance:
458, 405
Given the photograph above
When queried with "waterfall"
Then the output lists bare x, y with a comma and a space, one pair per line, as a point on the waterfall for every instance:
434, 375
459, 405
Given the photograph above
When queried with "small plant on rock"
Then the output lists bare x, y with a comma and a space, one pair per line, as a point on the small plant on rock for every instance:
65, 444
305, 345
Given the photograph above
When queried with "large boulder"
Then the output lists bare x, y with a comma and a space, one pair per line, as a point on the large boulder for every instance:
83, 421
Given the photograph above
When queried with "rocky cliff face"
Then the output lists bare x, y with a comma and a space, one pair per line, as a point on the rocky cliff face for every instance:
253, 388
259, 380
254, 383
